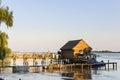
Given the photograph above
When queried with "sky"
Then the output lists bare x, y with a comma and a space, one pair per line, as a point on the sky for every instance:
46, 25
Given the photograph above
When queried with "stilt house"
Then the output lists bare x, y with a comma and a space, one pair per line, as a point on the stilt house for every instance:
75, 49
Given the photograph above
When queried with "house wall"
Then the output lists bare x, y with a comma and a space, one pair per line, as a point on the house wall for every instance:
68, 54
79, 47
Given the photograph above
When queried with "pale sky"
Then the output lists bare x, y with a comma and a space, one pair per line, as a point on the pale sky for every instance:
42, 25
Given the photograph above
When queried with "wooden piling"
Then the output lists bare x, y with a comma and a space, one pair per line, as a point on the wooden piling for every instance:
113, 66
108, 64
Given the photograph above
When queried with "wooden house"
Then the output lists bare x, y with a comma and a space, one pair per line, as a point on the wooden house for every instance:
73, 49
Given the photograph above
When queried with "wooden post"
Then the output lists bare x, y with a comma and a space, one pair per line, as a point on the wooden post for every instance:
91, 66
88, 66
113, 65
108, 64
105, 66
116, 66
82, 68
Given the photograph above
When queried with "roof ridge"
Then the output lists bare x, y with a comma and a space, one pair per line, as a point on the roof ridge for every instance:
76, 40
71, 44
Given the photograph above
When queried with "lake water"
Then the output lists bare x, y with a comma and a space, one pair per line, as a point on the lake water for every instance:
76, 74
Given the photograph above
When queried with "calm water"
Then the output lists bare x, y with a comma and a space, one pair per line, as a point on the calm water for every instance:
76, 74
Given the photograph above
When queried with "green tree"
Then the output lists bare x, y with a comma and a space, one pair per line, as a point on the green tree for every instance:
6, 17
3, 46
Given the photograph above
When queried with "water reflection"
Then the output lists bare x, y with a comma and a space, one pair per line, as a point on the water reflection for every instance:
72, 74
5, 70
78, 74
69, 74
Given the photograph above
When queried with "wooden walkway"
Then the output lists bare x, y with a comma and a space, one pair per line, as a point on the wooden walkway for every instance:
106, 66
114, 64
109, 65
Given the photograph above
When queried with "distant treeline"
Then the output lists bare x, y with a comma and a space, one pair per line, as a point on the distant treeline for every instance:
106, 51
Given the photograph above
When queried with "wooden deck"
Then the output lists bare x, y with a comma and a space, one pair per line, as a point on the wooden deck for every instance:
114, 64
107, 66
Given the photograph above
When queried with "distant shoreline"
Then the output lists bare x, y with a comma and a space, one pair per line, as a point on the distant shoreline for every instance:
105, 52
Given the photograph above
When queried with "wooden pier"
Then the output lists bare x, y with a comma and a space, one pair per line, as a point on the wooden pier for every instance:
106, 66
